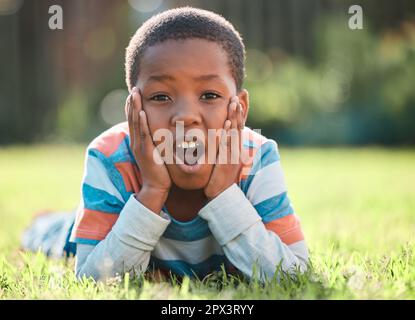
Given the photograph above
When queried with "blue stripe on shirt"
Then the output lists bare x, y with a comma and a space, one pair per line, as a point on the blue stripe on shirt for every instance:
274, 208
180, 267
100, 200
87, 241
113, 173
193, 230
123, 153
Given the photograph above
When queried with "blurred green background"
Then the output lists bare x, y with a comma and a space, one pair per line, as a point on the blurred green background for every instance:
312, 80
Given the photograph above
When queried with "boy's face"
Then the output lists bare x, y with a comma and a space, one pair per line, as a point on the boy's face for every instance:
189, 81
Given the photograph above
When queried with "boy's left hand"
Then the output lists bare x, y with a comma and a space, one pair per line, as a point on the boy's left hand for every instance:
225, 174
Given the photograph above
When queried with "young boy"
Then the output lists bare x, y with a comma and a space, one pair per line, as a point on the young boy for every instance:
139, 212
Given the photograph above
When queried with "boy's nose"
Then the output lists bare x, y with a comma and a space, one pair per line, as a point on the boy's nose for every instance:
187, 113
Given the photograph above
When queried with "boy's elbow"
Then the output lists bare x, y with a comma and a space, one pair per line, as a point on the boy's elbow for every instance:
81, 275
303, 265
301, 257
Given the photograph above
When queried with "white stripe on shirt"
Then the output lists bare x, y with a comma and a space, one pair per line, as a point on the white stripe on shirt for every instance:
97, 178
267, 183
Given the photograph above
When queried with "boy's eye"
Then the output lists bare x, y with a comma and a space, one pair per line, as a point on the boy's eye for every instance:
160, 97
210, 96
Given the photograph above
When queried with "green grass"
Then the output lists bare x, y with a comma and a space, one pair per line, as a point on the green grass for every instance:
357, 208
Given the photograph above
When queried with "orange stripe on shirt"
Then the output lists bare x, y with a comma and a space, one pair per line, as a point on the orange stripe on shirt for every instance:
94, 225
287, 228
130, 175
247, 163
109, 141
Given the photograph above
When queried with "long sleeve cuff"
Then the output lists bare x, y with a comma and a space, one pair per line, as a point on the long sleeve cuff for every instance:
229, 214
138, 226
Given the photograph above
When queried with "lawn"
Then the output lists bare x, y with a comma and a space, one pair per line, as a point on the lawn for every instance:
357, 208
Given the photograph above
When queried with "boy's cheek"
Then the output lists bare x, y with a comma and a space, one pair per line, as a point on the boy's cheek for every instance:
217, 119
155, 120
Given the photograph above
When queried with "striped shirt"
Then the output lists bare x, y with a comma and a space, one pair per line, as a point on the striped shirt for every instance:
252, 222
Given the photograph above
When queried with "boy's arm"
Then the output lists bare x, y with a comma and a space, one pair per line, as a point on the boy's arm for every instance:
127, 240
246, 241
258, 225
126, 248
112, 235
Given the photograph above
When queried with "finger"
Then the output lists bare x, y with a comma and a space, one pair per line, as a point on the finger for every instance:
234, 112
232, 106
130, 111
228, 134
240, 117
227, 125
127, 106
224, 135
223, 144
240, 129
137, 99
145, 134
233, 137
234, 115
136, 106
135, 121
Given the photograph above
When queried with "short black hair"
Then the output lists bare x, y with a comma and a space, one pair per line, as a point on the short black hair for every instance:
185, 23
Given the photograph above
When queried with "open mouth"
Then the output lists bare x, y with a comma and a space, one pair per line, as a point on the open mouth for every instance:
189, 152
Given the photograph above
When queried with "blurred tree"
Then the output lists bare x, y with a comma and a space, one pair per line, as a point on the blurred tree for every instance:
311, 79
27, 82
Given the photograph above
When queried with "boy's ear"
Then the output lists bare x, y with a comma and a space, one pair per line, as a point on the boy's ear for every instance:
243, 96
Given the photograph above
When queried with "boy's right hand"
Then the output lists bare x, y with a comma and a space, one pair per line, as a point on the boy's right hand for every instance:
156, 178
